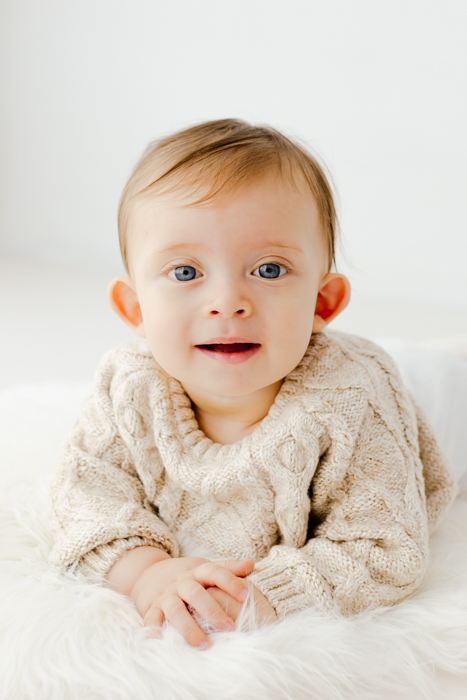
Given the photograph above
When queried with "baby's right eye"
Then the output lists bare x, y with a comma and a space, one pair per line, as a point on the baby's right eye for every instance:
184, 273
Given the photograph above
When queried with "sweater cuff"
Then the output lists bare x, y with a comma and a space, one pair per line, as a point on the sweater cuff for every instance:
97, 562
289, 583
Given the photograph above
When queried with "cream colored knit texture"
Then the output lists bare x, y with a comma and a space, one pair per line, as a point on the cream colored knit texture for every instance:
334, 495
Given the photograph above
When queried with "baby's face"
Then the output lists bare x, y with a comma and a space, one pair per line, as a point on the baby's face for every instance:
227, 292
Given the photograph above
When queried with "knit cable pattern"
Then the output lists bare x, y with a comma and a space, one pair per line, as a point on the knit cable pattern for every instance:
334, 494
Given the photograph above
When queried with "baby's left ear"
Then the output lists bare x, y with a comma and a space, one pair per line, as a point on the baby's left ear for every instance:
333, 297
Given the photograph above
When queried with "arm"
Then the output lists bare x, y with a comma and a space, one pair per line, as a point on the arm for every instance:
370, 546
129, 567
98, 507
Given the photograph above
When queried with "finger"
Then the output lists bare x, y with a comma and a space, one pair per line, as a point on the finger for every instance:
239, 568
215, 574
231, 606
205, 605
154, 620
175, 611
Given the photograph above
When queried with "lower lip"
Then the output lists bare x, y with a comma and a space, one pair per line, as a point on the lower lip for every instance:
230, 358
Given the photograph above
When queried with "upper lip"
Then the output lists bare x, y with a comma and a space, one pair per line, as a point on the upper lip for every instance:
227, 341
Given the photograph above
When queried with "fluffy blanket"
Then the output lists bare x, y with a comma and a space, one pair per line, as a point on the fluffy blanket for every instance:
64, 638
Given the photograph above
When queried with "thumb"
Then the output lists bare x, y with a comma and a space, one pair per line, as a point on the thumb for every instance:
239, 568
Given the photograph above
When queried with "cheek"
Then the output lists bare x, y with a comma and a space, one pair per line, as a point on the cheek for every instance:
293, 335
291, 327
293, 313
166, 322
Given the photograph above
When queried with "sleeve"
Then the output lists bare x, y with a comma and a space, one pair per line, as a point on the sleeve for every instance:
440, 481
369, 544
98, 507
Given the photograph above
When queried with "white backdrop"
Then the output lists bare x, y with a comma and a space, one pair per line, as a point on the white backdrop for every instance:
376, 87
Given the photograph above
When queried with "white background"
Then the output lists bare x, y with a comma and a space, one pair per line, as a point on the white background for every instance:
377, 89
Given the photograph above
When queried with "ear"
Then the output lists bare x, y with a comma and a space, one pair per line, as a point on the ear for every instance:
124, 301
333, 297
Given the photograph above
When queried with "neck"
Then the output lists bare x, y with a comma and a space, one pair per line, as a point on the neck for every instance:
225, 419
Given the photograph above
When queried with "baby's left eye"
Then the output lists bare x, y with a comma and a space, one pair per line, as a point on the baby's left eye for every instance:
270, 271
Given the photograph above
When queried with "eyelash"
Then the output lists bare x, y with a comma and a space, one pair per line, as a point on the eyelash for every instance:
268, 262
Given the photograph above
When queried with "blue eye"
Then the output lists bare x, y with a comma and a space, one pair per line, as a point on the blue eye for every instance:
184, 273
270, 271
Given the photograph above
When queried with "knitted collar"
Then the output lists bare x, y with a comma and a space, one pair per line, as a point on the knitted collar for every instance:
291, 436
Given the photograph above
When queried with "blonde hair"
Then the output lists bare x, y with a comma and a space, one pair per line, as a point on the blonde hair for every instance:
217, 157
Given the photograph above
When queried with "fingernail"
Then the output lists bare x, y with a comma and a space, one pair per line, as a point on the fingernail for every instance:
227, 626
204, 645
243, 594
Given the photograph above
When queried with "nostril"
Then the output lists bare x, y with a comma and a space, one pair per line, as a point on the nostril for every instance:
239, 311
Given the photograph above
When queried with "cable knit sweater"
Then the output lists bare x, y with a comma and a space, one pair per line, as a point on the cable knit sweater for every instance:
333, 495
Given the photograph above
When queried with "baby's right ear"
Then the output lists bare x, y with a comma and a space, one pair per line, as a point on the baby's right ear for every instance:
124, 301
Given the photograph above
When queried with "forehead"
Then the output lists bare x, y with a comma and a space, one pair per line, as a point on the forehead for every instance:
268, 208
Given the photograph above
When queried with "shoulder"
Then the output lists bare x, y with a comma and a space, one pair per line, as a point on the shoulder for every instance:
121, 362
360, 382
127, 354
345, 360
354, 375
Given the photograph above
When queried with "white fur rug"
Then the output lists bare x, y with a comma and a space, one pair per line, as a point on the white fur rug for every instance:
64, 638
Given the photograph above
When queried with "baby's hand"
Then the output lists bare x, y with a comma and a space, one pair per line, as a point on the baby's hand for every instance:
264, 611
164, 587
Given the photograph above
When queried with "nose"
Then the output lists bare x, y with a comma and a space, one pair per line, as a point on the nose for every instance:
228, 300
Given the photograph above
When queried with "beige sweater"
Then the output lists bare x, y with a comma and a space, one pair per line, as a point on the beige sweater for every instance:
334, 494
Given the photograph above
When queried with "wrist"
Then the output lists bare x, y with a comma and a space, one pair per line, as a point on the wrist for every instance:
129, 567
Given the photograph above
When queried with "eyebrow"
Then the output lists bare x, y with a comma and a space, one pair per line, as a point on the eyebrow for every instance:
265, 244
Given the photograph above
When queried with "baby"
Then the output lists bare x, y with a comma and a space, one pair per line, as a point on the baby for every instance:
293, 459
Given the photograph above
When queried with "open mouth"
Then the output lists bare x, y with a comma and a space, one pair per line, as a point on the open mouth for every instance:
229, 347
230, 353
